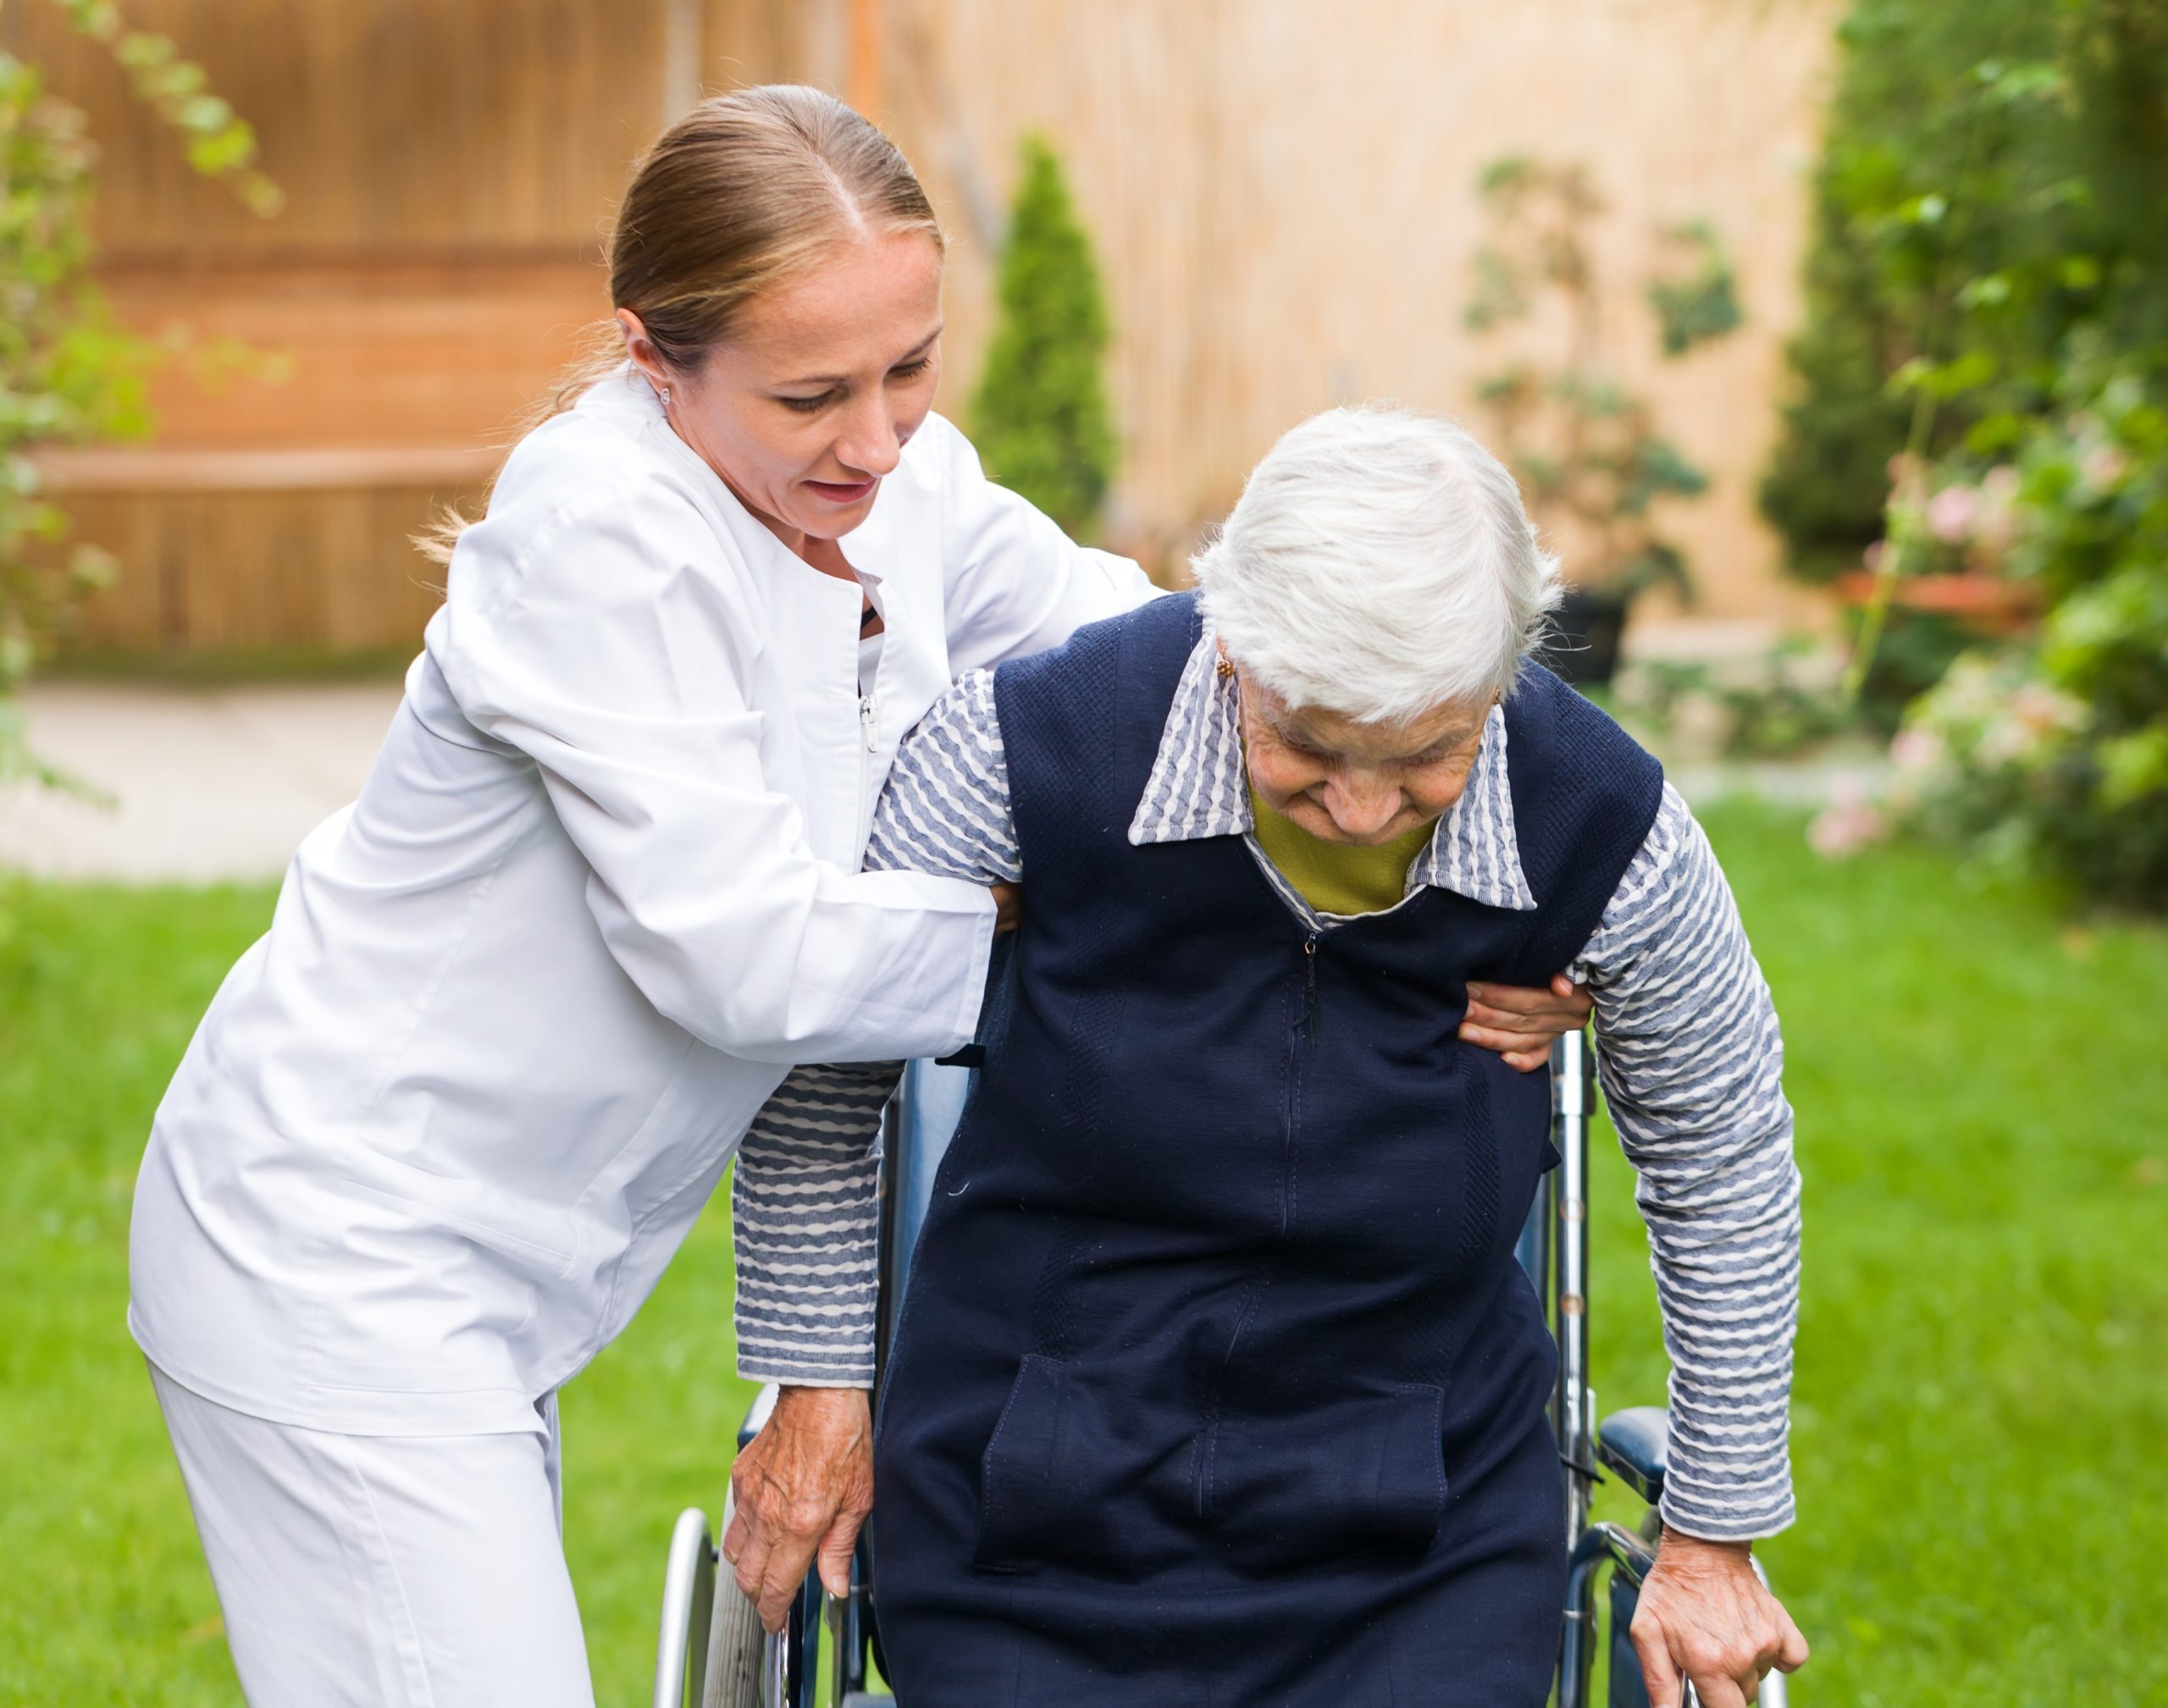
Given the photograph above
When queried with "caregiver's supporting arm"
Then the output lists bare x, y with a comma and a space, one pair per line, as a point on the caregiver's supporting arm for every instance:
596, 648
1521, 1025
946, 812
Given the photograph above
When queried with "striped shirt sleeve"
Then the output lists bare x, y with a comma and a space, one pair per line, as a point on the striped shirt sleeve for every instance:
1692, 1062
804, 1208
804, 1214
946, 808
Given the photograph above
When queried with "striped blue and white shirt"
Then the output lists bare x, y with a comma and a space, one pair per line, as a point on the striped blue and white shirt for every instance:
1687, 1046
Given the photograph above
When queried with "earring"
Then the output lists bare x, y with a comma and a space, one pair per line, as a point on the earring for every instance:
1226, 668
663, 392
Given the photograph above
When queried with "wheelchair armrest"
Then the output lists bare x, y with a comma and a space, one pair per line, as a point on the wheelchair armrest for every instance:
1634, 1443
756, 1416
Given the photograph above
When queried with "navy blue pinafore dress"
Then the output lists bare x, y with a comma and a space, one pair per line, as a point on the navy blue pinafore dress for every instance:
1216, 1382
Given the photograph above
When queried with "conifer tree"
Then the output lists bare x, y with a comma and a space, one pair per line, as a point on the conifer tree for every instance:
1040, 416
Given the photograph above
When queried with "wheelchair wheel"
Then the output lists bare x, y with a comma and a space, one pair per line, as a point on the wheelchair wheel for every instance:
688, 1605
737, 1645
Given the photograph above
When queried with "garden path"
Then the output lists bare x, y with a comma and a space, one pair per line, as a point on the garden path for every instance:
210, 784
204, 784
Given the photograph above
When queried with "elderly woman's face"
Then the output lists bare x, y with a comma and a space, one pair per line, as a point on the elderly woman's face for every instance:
1363, 783
809, 405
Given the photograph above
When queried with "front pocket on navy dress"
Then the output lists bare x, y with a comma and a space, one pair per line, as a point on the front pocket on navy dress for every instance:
1015, 1475
1082, 1471
1364, 1474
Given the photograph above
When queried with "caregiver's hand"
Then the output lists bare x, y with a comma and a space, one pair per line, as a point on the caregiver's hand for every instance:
1522, 1025
1008, 907
1704, 1616
802, 1489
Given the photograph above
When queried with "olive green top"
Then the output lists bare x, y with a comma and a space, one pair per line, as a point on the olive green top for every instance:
1338, 877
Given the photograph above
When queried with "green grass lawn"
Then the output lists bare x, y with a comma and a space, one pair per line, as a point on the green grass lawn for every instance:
1981, 1439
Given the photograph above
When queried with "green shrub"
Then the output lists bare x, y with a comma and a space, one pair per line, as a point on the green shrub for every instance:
2053, 754
1828, 477
1982, 377
1958, 237
1040, 416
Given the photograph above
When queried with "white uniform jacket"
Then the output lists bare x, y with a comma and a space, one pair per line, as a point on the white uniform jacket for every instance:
443, 1127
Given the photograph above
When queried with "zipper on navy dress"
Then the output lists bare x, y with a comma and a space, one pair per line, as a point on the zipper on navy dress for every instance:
1310, 985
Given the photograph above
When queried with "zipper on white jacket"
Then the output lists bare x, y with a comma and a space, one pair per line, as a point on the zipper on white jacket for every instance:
869, 726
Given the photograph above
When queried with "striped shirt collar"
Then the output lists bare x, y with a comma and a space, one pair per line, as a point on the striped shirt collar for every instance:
1198, 788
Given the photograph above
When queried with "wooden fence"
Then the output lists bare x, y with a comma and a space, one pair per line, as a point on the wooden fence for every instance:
450, 166
1282, 192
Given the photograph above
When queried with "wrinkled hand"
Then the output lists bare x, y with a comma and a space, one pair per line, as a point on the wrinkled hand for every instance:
1522, 1025
1008, 907
801, 1489
1704, 1616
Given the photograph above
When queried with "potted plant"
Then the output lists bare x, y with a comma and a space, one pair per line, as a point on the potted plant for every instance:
1591, 459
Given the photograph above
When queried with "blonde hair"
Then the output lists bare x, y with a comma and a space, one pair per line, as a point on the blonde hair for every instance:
747, 189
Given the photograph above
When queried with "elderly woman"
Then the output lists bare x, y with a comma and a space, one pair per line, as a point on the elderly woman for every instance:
1217, 1381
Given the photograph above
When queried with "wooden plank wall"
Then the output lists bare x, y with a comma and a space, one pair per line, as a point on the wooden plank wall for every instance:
406, 125
450, 168
322, 570
1282, 192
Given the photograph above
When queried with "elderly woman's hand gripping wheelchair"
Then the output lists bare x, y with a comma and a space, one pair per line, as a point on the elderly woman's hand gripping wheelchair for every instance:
713, 1653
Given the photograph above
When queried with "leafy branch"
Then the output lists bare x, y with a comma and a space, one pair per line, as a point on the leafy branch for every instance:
1588, 452
69, 372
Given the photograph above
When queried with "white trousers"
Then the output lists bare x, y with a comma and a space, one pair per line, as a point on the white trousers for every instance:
383, 1571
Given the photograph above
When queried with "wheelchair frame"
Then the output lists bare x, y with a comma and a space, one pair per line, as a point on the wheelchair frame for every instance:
692, 1671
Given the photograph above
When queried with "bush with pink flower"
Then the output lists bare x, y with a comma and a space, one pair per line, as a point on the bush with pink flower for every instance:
2051, 754
1981, 379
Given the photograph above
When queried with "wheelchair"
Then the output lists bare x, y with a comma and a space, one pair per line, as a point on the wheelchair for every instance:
712, 1653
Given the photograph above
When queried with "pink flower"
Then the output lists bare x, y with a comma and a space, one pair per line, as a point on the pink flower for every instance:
1916, 750
2025, 724
2103, 467
1848, 823
2045, 710
1950, 514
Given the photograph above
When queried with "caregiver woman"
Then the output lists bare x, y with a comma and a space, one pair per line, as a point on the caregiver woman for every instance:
443, 1126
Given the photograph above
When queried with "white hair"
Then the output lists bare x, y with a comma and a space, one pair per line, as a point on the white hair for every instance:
1378, 565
